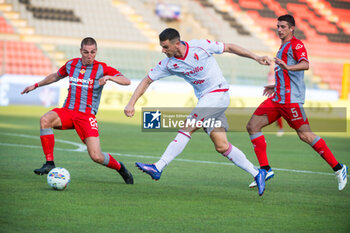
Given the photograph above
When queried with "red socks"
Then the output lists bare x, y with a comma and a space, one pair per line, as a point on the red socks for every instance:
259, 144
321, 147
279, 123
111, 162
48, 143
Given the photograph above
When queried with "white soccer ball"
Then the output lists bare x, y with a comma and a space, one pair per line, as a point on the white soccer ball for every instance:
58, 178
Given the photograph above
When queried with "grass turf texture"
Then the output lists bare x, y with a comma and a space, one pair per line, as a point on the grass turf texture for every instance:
189, 197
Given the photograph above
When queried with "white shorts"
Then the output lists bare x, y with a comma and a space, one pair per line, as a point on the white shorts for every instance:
210, 110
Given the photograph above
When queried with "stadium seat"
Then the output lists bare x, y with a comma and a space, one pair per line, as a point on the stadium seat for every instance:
25, 58
108, 22
322, 37
330, 73
5, 27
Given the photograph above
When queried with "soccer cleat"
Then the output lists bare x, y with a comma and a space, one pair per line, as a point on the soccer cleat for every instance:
45, 169
270, 174
341, 176
260, 181
150, 169
127, 176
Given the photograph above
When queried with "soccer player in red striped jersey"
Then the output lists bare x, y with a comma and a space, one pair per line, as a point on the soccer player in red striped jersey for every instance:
288, 95
87, 78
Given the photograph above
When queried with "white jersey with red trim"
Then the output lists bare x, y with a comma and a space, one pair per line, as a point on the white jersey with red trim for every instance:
198, 67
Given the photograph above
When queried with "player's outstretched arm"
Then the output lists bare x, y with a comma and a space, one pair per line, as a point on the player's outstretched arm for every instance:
51, 78
129, 109
121, 80
240, 51
302, 65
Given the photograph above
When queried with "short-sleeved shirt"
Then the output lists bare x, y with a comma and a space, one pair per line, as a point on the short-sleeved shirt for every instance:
84, 92
198, 67
289, 85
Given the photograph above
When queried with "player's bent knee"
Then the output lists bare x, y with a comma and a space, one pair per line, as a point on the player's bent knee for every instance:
45, 122
305, 137
251, 127
188, 131
97, 160
97, 157
222, 148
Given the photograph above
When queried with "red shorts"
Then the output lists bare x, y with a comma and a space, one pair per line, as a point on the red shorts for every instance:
84, 123
293, 113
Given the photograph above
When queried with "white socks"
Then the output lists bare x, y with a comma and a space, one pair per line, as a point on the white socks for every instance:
180, 142
239, 158
173, 150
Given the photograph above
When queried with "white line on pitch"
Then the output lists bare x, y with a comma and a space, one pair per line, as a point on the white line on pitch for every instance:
82, 148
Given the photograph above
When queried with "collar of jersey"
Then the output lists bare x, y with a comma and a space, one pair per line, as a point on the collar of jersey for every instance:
183, 58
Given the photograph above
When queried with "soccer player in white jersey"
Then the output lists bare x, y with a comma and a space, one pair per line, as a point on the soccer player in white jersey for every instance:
194, 62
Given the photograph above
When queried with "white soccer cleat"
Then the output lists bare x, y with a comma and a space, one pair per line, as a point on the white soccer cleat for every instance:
341, 176
269, 175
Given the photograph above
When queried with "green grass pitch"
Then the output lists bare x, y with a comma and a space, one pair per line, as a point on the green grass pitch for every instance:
200, 191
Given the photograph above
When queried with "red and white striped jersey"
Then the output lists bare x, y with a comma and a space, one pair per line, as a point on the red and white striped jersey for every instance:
289, 85
84, 92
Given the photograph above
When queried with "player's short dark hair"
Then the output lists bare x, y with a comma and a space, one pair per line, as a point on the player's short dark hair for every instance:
169, 34
288, 18
88, 41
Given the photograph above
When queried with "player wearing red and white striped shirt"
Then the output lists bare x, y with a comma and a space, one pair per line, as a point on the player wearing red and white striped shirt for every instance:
87, 78
194, 62
287, 101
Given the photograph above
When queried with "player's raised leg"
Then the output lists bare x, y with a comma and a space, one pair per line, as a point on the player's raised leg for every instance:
94, 150
48, 121
254, 126
174, 149
320, 146
219, 138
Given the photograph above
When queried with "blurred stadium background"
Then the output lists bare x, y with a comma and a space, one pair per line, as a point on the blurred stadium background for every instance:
38, 36
198, 193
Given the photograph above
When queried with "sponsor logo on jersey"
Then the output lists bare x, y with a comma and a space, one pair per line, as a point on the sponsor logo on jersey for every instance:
176, 66
80, 80
195, 70
196, 56
299, 46
197, 82
82, 71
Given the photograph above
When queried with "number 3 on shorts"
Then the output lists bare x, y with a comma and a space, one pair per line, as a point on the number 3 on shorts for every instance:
294, 112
